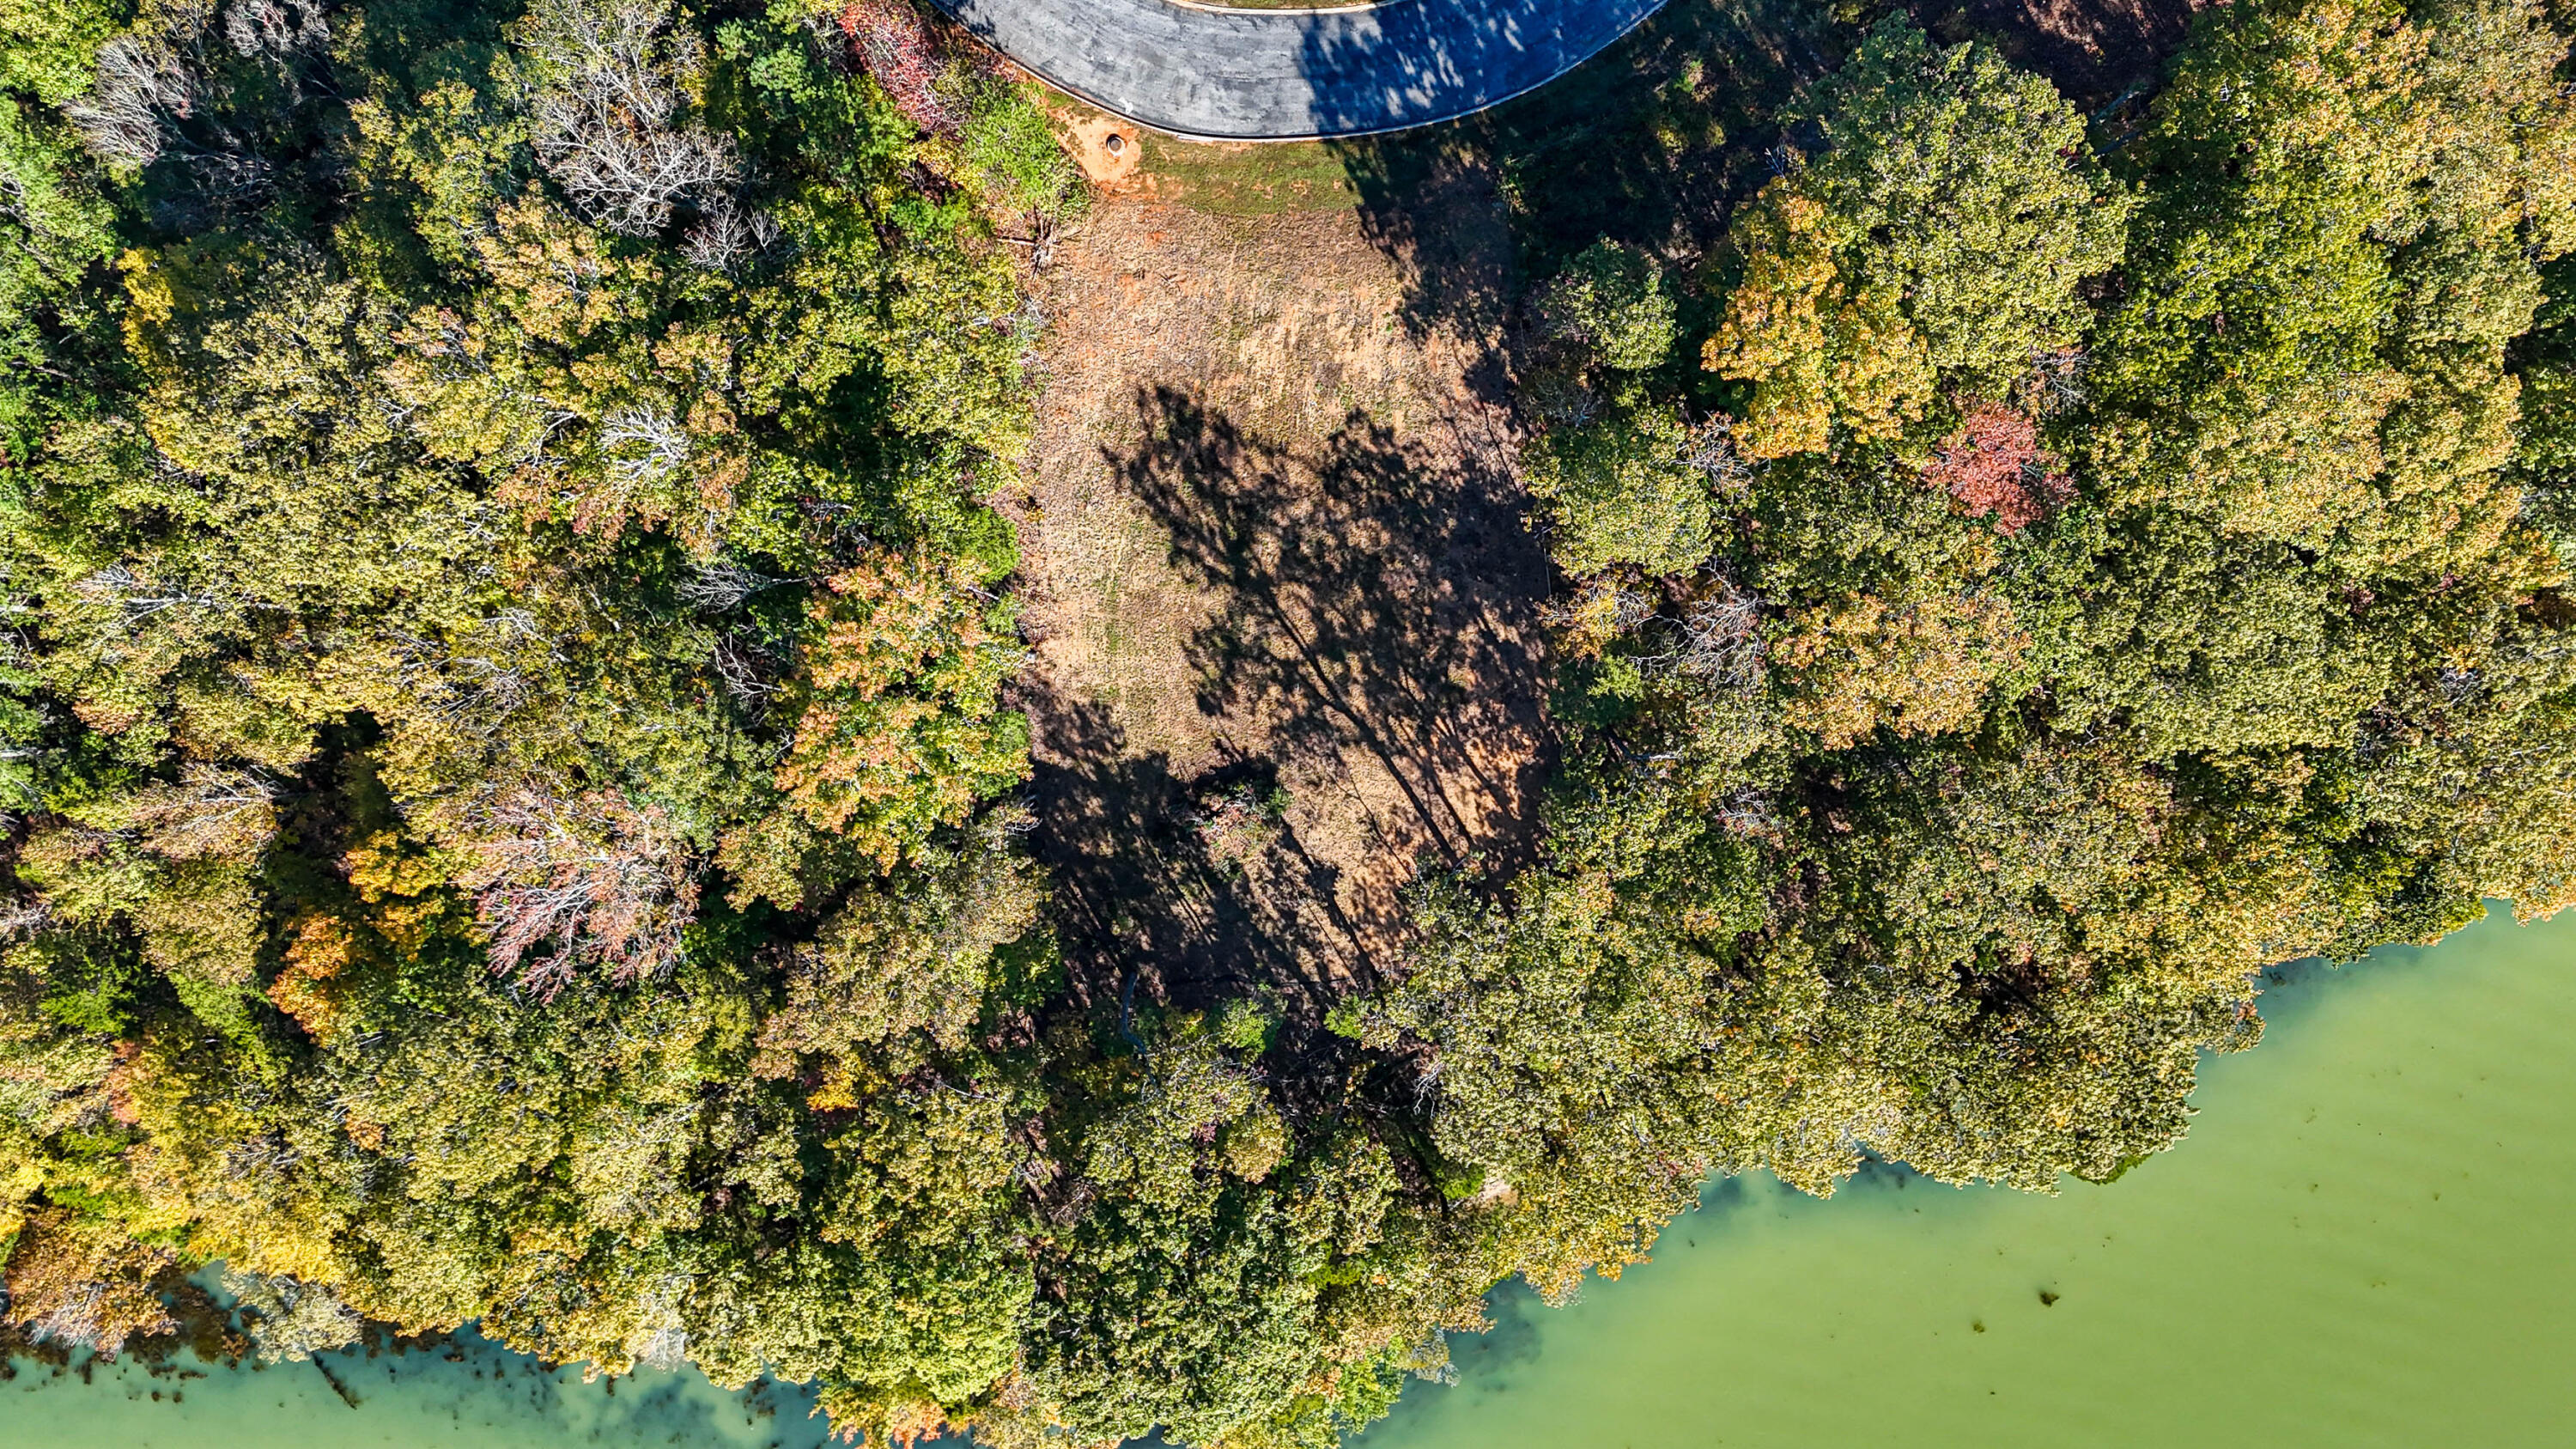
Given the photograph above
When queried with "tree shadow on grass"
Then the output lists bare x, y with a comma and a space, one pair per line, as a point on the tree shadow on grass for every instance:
1375, 599
1372, 655
1152, 886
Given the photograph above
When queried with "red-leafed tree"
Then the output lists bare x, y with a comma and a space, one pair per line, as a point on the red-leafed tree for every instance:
899, 52
1994, 467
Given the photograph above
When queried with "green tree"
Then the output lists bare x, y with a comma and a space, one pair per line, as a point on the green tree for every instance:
1611, 300
1623, 490
1937, 238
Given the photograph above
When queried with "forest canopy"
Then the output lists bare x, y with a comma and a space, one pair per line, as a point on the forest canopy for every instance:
513, 814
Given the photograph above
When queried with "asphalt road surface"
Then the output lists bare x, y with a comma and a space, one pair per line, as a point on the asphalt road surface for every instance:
1278, 75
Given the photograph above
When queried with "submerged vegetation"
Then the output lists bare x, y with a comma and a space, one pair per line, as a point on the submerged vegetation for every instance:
512, 812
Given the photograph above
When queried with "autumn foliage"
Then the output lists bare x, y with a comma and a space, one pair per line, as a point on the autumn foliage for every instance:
901, 55
85, 1285
508, 762
1946, 799
1993, 467
899, 730
566, 881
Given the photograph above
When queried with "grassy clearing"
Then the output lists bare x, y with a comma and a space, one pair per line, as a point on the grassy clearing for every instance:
1252, 179
1272, 545
1221, 179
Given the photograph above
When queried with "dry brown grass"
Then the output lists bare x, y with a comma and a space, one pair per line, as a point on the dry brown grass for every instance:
1274, 552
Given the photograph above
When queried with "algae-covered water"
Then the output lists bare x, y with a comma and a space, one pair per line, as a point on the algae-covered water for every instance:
2365, 1241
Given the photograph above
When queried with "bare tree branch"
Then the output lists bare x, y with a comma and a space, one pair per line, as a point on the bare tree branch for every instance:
606, 118
599, 879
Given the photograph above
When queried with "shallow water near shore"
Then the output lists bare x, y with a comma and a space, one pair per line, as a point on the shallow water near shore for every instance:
469, 1394
2361, 1243
2364, 1241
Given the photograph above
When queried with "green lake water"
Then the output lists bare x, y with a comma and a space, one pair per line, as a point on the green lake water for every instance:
481, 1398
2364, 1241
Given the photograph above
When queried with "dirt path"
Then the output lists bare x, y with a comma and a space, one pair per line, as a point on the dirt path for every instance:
1281, 594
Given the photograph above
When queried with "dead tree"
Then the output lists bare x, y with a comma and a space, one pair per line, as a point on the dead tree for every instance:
607, 116
565, 880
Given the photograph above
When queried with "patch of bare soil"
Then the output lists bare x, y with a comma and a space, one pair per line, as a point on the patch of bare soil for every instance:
1281, 595
1108, 150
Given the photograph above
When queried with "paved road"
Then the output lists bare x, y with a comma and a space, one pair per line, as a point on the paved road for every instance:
1254, 75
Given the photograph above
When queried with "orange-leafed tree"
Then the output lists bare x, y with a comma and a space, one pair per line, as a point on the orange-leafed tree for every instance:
899, 724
